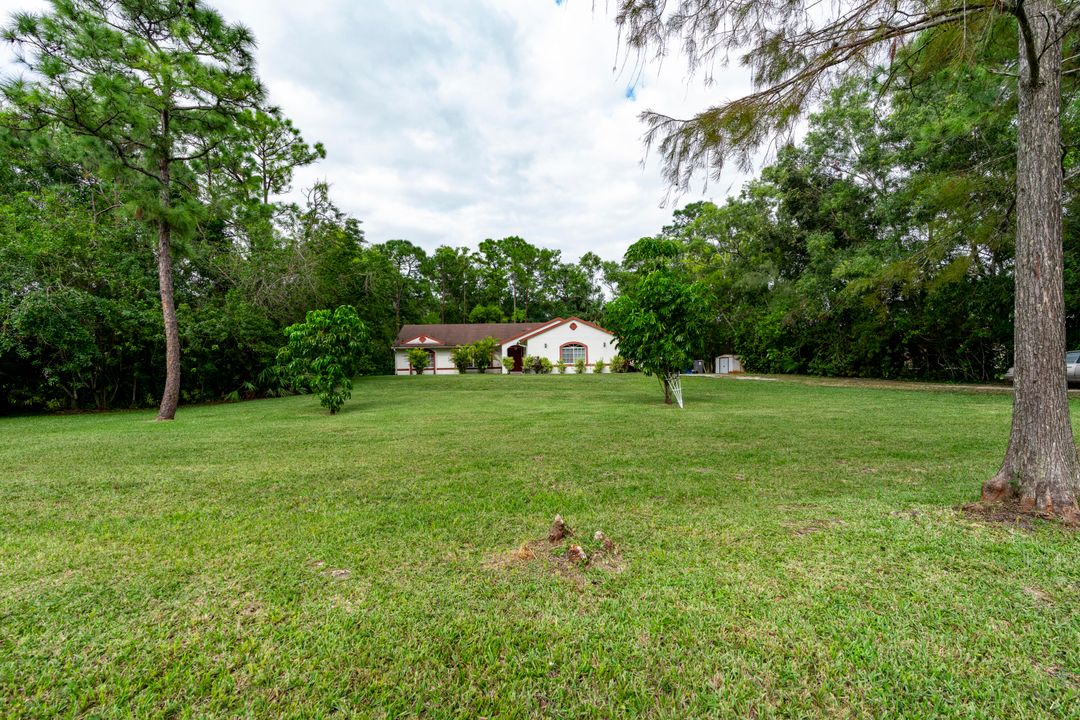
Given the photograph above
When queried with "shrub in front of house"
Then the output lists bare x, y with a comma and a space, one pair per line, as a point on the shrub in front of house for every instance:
508, 363
598, 366
419, 359
462, 357
562, 367
618, 364
536, 364
579, 366
482, 350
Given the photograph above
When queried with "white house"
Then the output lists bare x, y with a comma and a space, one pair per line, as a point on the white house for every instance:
558, 339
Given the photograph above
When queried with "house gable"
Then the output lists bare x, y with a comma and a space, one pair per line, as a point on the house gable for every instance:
422, 340
549, 341
570, 324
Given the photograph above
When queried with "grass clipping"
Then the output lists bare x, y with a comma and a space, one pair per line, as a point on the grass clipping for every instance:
562, 554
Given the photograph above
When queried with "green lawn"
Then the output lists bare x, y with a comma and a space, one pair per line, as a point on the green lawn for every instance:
785, 549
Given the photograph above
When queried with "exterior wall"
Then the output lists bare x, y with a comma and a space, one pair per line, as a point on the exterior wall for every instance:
401, 362
599, 344
443, 364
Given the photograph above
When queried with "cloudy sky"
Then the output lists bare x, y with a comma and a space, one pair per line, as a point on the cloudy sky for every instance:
451, 121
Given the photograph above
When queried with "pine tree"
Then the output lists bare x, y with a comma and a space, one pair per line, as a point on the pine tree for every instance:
152, 87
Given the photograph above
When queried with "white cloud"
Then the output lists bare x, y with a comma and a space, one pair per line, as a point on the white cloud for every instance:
449, 122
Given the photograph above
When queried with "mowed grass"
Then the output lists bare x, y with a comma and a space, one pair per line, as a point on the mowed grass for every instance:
785, 550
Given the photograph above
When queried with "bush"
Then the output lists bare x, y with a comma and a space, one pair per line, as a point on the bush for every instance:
619, 364
482, 350
562, 366
598, 366
537, 365
419, 359
462, 357
579, 366
324, 352
508, 363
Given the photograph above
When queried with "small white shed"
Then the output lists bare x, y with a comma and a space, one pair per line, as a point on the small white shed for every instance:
728, 364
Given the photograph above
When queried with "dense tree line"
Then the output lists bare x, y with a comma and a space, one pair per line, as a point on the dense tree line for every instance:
882, 243
80, 319
141, 176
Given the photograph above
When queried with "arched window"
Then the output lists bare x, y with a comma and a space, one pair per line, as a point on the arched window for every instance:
570, 352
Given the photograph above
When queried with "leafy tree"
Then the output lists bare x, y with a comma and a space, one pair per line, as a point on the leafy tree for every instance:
324, 352
571, 290
419, 359
486, 314
151, 86
77, 296
238, 179
796, 52
453, 278
879, 246
532, 283
517, 266
410, 288
659, 322
229, 344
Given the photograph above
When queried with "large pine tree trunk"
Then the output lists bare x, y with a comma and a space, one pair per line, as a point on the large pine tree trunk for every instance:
1040, 467
170, 397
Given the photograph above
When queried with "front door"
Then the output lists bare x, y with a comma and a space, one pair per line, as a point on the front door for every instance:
518, 353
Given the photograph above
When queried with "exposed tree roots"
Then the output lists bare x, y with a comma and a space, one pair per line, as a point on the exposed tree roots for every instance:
1009, 512
1047, 499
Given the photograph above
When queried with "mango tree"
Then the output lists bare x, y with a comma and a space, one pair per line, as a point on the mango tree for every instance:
324, 352
661, 316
